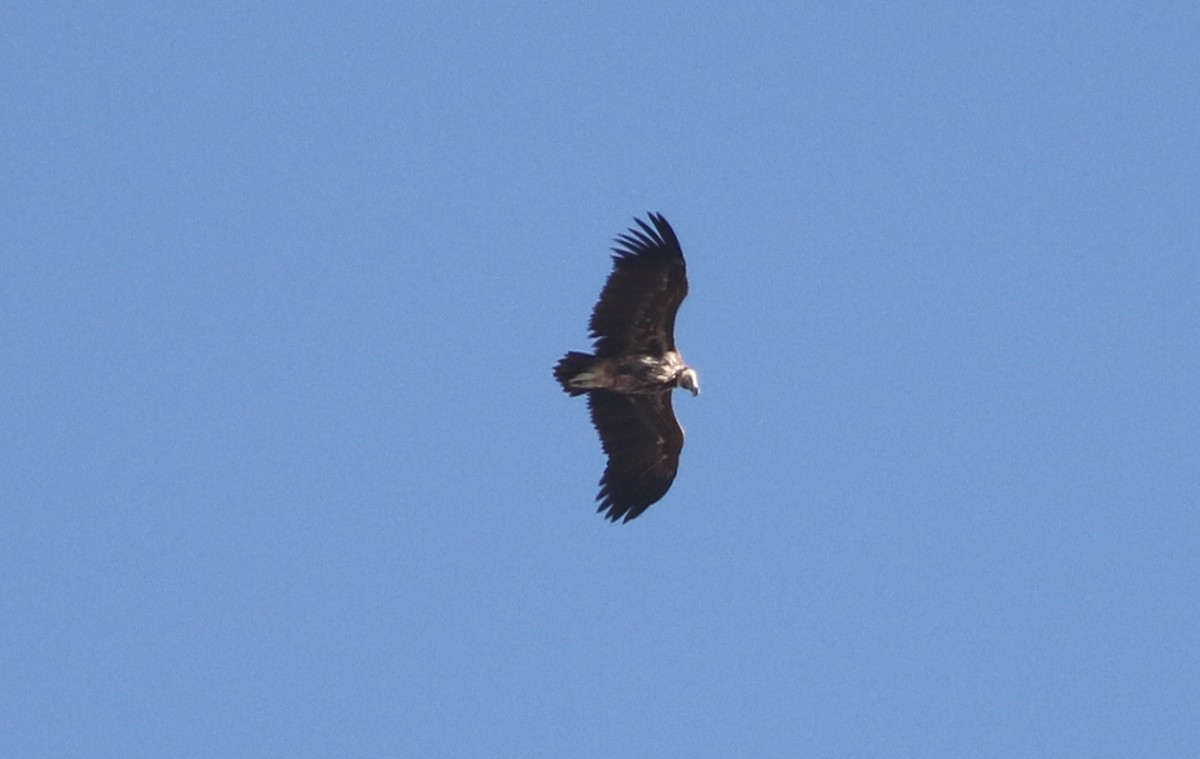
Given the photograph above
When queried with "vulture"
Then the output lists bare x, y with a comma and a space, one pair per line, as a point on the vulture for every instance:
633, 367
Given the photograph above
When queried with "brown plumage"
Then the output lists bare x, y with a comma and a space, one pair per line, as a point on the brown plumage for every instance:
635, 366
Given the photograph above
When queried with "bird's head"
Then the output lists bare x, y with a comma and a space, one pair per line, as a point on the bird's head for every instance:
689, 380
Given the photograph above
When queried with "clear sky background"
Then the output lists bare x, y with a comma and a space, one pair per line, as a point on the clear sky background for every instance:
284, 471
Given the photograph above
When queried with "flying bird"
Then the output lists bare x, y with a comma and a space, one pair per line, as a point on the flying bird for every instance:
633, 369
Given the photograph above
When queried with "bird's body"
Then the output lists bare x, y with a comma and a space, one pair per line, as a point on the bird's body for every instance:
630, 374
635, 367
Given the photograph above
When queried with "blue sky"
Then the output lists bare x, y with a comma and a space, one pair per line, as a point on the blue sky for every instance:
285, 472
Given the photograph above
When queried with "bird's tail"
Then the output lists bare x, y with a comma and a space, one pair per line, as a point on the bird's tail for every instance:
572, 364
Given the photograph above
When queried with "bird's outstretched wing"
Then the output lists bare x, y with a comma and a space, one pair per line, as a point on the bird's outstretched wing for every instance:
637, 307
643, 440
